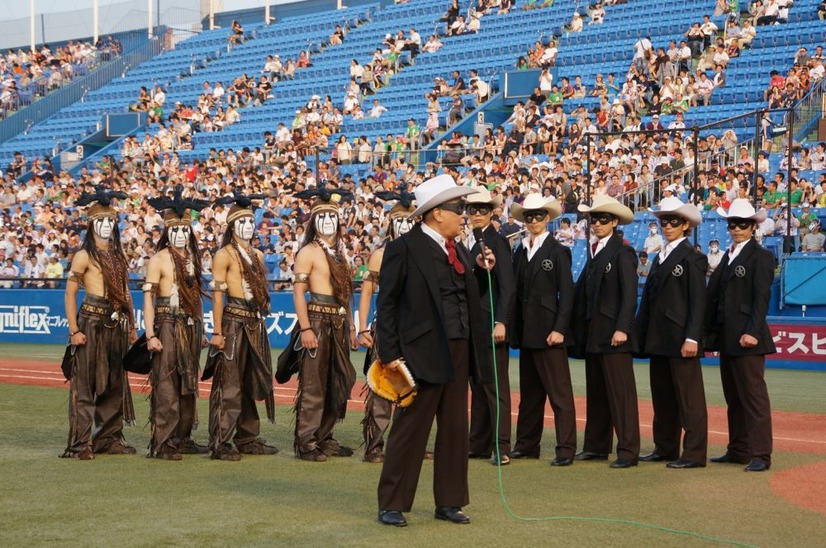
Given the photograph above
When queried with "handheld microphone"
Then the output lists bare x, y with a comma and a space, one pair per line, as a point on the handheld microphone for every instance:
478, 234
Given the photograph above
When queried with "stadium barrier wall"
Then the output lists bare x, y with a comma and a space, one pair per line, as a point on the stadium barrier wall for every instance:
36, 316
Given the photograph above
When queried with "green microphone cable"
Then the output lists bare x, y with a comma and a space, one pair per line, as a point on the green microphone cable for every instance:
501, 486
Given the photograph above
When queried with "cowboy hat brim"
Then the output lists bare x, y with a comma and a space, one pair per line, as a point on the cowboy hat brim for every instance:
553, 207
625, 215
686, 211
444, 196
482, 196
759, 215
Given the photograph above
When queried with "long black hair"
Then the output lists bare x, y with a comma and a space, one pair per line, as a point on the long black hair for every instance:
192, 245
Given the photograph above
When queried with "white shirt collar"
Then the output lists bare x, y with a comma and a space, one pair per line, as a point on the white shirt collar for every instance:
668, 248
732, 254
537, 243
602, 242
438, 238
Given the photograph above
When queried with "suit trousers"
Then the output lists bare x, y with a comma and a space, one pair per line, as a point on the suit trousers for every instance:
544, 374
679, 401
483, 410
749, 409
611, 394
406, 443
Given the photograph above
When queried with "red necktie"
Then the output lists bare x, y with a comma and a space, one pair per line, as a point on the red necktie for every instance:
594, 248
452, 258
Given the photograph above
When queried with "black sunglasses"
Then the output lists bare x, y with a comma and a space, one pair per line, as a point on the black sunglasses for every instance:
537, 216
456, 207
742, 224
675, 222
601, 219
480, 209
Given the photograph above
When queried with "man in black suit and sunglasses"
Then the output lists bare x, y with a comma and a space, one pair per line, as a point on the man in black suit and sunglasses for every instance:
669, 329
541, 331
738, 303
428, 316
605, 300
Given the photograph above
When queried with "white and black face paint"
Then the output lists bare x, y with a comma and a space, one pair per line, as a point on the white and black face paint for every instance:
401, 226
103, 227
326, 223
244, 228
178, 236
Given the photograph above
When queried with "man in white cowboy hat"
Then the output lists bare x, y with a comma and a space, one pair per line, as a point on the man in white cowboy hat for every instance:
428, 315
483, 417
605, 299
669, 330
541, 332
738, 302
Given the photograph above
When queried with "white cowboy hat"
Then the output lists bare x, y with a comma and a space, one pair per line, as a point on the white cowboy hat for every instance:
483, 196
675, 206
741, 208
533, 202
436, 191
603, 203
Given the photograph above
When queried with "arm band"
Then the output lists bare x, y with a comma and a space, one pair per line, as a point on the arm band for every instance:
302, 278
218, 286
75, 277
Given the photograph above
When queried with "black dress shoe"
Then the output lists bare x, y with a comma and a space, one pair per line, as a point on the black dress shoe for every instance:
452, 514
589, 455
474, 455
562, 461
521, 455
757, 466
728, 458
392, 517
654, 457
623, 463
680, 463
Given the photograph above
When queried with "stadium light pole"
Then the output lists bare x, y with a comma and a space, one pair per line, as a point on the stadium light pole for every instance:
31, 24
149, 18
695, 183
789, 158
211, 14
758, 118
95, 18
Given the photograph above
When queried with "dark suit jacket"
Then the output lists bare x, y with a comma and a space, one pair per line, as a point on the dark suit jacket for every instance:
609, 280
501, 279
738, 302
409, 320
544, 295
673, 303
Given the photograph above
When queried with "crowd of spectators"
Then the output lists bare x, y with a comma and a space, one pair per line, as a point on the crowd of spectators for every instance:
37, 72
540, 148
807, 70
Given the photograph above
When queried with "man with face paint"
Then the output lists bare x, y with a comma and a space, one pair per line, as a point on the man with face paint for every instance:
735, 325
326, 375
541, 331
484, 427
99, 396
605, 299
173, 313
669, 328
715, 255
377, 411
239, 359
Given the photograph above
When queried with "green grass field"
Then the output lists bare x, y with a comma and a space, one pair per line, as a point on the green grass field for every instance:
134, 501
